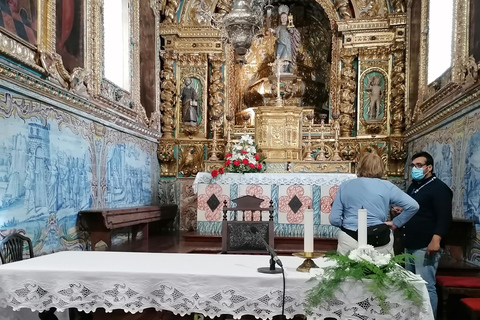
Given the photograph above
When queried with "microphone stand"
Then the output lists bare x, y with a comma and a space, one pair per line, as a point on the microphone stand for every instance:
272, 269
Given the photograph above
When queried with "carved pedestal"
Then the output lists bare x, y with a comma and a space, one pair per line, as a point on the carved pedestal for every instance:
277, 132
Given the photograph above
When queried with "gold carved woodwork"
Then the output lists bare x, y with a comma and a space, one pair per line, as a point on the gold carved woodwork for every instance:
468, 73
165, 150
277, 132
190, 160
397, 105
224, 6
168, 94
398, 6
348, 150
232, 99
343, 8
193, 60
170, 11
216, 88
371, 8
347, 92
78, 81
322, 167
165, 154
398, 155
368, 39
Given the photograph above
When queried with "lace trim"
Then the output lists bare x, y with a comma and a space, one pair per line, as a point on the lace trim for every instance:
136, 296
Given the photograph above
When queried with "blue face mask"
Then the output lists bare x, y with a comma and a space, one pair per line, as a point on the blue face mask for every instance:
417, 174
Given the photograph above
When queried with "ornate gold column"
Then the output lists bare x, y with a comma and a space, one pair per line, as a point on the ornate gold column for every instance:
277, 132
215, 91
171, 8
397, 103
224, 6
168, 93
347, 92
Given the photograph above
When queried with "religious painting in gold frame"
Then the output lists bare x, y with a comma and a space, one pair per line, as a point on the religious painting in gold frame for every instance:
20, 20
70, 33
26, 28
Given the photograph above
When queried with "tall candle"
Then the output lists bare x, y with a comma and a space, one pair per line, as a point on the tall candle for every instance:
362, 227
308, 231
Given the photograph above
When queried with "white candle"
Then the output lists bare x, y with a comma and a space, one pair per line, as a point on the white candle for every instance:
308, 231
362, 227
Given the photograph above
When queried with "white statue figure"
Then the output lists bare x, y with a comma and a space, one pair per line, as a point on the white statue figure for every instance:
188, 97
375, 92
288, 39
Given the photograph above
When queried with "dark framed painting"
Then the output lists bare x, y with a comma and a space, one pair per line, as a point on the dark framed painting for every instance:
20, 19
475, 29
70, 27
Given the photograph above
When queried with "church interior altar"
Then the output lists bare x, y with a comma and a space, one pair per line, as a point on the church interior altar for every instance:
292, 194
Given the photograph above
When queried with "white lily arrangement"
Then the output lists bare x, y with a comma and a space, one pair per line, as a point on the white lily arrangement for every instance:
365, 263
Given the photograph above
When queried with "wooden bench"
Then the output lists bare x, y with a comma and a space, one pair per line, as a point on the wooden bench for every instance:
470, 308
101, 222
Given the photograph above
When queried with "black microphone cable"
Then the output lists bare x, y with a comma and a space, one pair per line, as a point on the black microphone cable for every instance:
280, 264
283, 295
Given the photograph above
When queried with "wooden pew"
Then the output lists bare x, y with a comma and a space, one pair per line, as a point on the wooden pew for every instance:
101, 222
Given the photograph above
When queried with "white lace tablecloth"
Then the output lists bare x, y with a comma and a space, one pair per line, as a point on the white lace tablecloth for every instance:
320, 179
210, 284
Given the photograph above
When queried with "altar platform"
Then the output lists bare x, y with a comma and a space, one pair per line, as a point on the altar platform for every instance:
292, 194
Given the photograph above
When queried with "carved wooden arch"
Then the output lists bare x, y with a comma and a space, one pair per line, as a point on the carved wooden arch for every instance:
327, 6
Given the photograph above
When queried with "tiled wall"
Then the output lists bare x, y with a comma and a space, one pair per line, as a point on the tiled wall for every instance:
54, 164
455, 148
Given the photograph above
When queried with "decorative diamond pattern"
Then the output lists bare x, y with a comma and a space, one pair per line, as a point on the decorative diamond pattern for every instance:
213, 202
295, 204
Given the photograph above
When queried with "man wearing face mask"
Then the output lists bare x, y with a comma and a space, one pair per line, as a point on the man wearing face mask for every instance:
424, 231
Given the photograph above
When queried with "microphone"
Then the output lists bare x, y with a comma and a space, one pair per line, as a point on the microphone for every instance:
267, 246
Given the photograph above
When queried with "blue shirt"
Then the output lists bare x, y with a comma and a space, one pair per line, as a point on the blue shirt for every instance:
376, 196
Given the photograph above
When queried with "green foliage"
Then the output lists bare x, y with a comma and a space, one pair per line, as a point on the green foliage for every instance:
378, 280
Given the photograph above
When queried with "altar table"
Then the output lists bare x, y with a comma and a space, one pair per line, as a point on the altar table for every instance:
210, 284
291, 193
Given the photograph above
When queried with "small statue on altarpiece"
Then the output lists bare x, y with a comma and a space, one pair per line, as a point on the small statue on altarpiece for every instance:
288, 39
188, 97
375, 92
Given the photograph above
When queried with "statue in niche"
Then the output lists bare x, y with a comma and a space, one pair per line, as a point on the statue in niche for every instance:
375, 93
288, 40
188, 97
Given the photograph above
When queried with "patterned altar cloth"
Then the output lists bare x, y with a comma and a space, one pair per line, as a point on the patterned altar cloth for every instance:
210, 284
292, 194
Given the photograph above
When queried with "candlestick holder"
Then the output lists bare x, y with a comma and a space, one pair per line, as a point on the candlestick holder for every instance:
336, 130
213, 156
308, 152
229, 130
320, 156
245, 118
308, 263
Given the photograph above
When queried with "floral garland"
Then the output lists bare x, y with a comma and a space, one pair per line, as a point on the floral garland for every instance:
383, 271
243, 158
